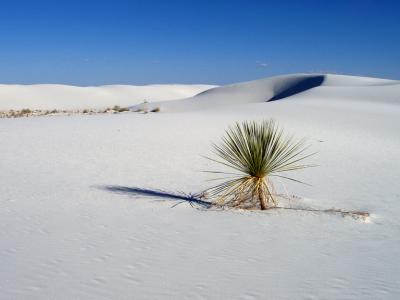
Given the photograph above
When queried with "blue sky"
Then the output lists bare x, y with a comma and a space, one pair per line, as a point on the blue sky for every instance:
216, 42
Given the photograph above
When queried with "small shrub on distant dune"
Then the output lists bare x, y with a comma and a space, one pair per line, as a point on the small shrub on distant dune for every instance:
116, 108
85, 111
257, 152
54, 111
25, 111
157, 109
122, 109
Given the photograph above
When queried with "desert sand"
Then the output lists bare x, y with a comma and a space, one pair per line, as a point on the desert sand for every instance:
74, 227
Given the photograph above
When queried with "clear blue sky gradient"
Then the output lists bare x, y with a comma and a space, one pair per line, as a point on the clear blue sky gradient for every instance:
216, 42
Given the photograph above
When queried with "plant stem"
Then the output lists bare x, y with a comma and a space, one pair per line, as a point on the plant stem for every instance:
261, 196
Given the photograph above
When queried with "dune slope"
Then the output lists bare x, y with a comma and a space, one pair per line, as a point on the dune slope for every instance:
326, 86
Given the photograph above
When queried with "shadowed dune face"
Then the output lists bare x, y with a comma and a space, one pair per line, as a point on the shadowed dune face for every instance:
296, 86
279, 88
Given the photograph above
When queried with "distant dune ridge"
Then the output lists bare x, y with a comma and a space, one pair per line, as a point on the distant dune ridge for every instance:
56, 96
318, 87
312, 86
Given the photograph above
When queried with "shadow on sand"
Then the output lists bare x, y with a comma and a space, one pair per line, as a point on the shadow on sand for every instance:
298, 87
192, 199
196, 201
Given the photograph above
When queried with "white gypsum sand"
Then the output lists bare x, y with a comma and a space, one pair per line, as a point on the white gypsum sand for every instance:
73, 228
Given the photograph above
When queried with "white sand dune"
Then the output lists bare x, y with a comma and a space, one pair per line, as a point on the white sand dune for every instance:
314, 86
73, 227
56, 96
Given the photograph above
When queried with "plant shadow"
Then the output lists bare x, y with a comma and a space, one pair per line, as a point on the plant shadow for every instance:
192, 199
196, 200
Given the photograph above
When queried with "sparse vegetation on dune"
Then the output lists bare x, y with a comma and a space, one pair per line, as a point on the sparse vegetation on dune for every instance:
117, 108
26, 112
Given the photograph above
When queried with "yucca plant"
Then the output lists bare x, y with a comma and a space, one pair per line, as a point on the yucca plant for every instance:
258, 151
